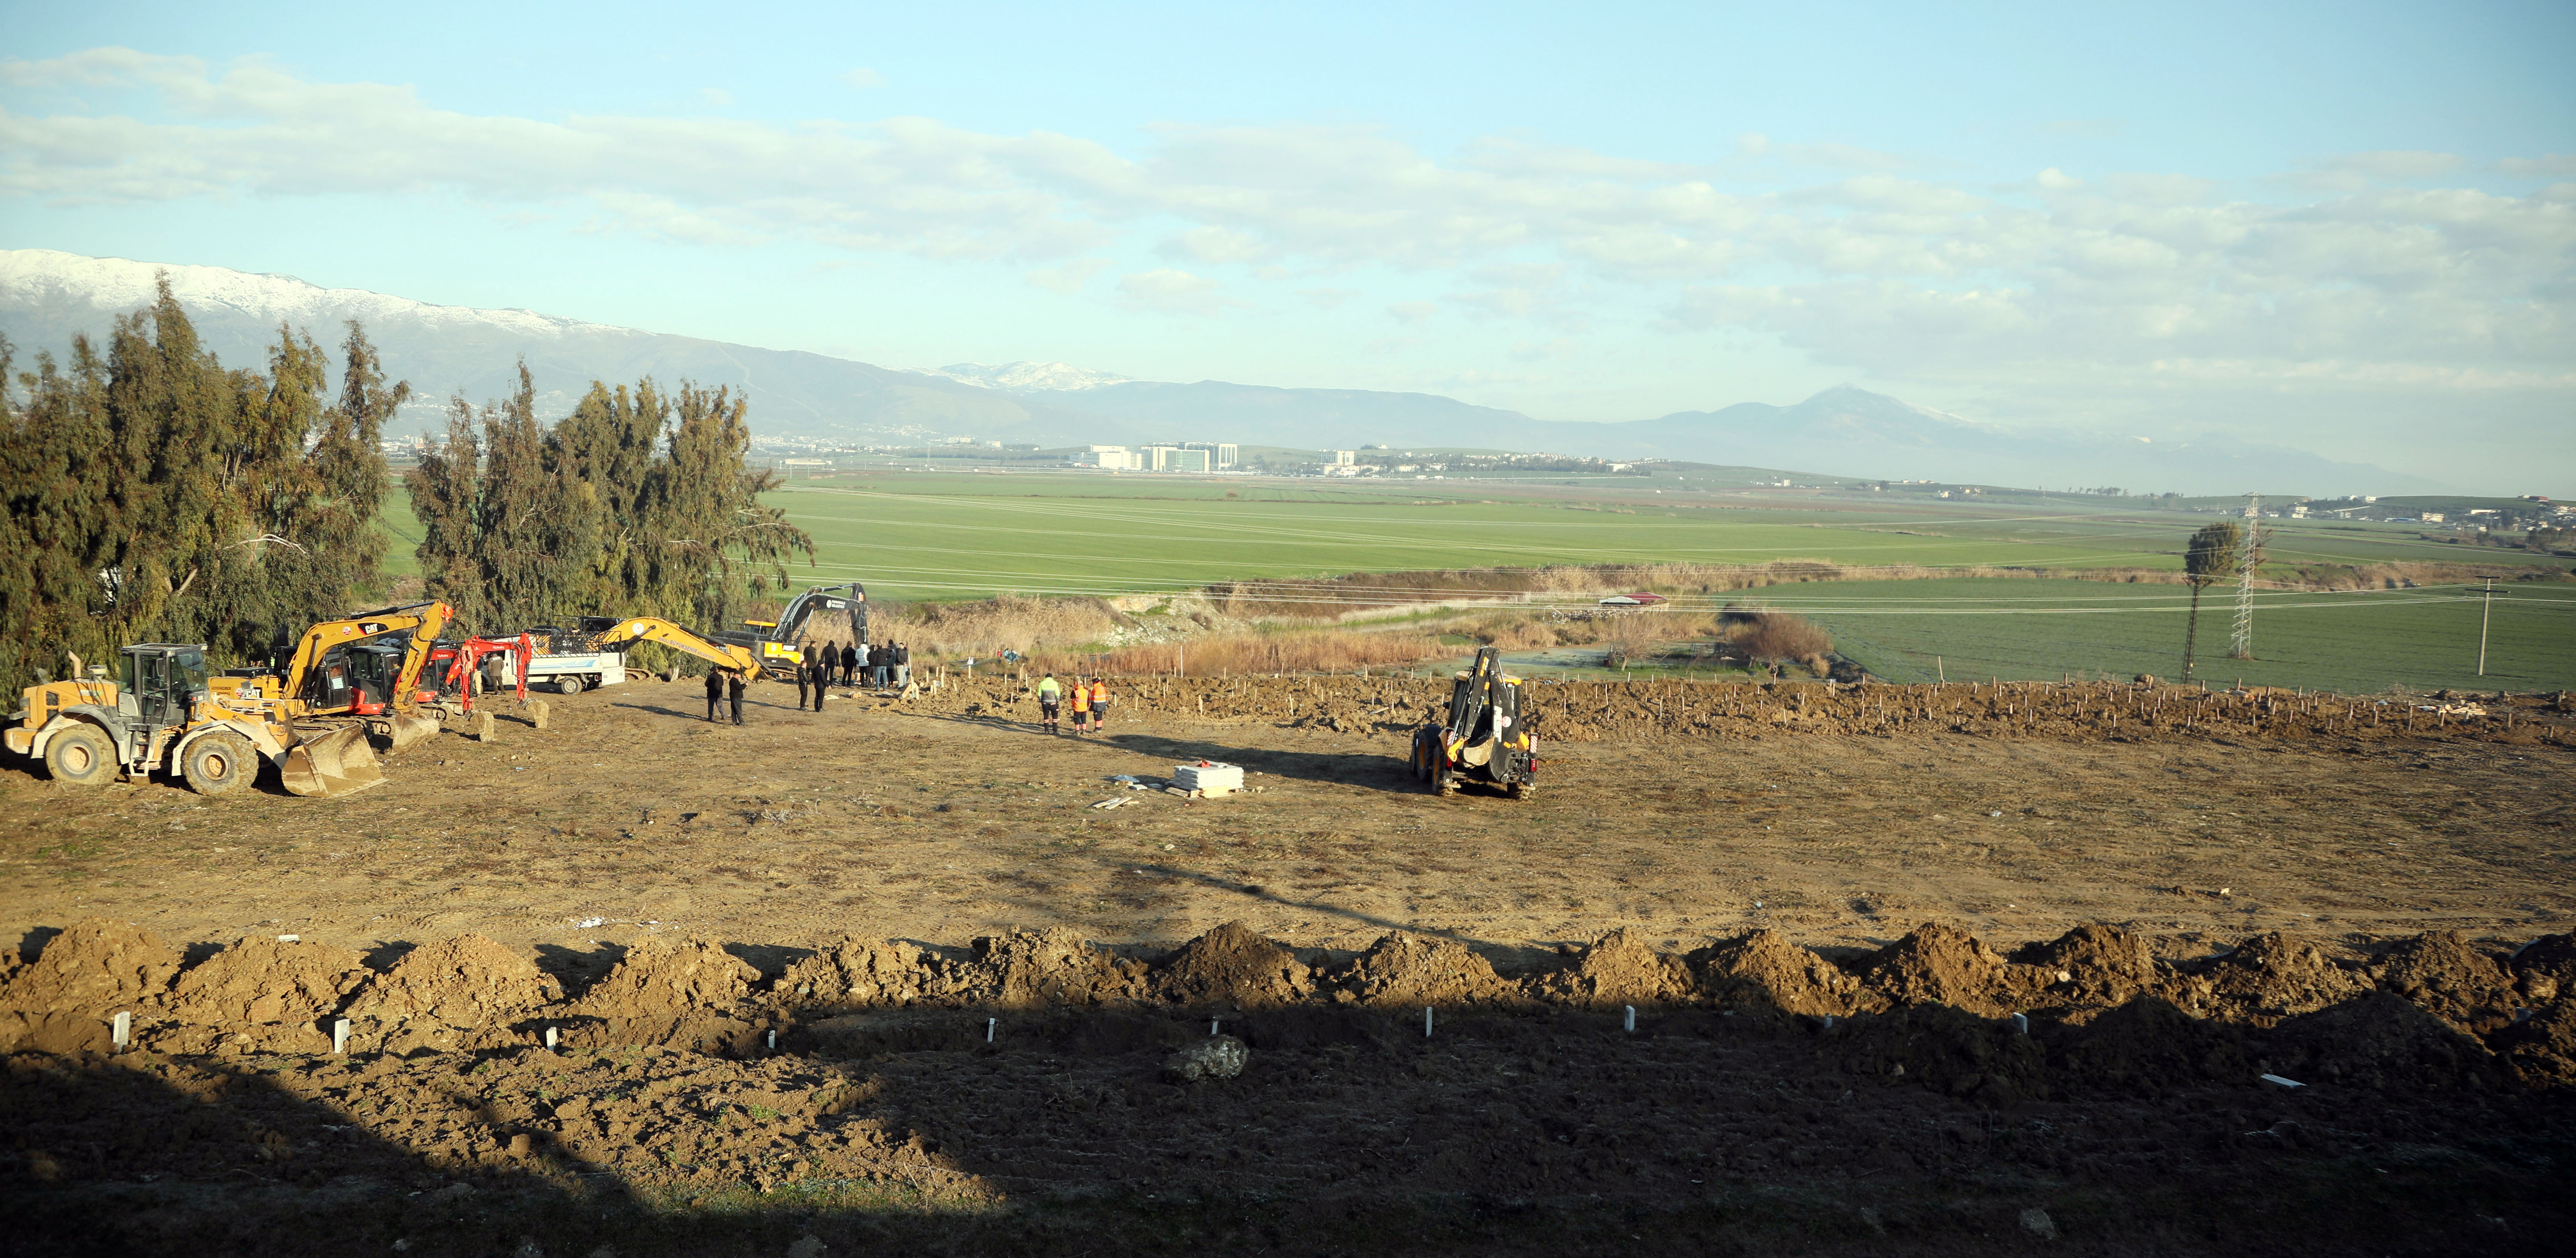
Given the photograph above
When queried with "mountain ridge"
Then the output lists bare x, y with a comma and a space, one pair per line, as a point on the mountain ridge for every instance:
46, 296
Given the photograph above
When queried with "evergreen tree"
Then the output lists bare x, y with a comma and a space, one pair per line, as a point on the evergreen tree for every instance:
2210, 557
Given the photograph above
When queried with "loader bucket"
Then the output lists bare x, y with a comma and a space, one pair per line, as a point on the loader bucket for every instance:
337, 763
413, 728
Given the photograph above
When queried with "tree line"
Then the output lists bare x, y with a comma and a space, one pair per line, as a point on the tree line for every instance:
150, 493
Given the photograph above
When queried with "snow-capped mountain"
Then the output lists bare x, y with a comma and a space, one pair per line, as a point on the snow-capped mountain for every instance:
43, 277
1026, 377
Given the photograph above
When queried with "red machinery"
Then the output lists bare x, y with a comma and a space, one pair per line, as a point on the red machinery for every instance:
454, 664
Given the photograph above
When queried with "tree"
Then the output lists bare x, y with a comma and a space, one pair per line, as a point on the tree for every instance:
2210, 558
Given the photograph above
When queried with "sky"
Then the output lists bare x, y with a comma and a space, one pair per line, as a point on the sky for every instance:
2345, 228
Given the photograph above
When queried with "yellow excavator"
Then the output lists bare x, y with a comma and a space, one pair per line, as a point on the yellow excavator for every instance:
310, 713
741, 660
1482, 737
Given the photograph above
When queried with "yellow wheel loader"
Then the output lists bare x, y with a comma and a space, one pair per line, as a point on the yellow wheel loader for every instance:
343, 680
1483, 738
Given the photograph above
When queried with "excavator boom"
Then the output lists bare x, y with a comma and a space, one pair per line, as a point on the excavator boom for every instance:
725, 655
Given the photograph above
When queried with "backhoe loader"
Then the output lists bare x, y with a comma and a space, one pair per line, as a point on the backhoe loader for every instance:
343, 680
1483, 737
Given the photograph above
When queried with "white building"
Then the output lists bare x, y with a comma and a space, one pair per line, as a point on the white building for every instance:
1115, 458
1221, 454
1176, 459
1341, 458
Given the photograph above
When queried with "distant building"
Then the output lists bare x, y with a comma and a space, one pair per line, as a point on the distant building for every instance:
2298, 511
1341, 458
2431, 517
1115, 458
1176, 459
1221, 453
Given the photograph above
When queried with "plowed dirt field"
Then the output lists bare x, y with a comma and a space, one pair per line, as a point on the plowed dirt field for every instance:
889, 978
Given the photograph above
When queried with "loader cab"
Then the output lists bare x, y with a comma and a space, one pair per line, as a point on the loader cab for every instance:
159, 683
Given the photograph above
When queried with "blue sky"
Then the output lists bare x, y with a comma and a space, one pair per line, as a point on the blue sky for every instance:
2347, 228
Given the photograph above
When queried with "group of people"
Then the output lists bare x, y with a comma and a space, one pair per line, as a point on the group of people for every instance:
1089, 699
823, 666
851, 664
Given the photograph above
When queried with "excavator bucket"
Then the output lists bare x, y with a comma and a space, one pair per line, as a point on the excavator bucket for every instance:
413, 728
340, 762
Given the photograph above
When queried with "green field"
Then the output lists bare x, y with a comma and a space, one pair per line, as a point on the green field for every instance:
2040, 630
952, 534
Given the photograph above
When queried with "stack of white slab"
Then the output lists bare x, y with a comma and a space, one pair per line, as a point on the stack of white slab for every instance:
1208, 779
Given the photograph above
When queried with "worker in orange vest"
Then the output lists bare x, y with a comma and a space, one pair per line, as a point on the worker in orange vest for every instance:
1099, 695
1079, 698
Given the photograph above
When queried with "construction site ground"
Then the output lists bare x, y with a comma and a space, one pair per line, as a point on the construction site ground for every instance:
1824, 908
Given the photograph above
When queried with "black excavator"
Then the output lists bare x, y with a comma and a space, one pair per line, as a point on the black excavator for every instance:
1483, 739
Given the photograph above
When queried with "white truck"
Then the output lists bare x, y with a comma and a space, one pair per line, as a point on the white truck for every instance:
566, 658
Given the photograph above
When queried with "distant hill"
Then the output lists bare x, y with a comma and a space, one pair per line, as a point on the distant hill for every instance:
46, 297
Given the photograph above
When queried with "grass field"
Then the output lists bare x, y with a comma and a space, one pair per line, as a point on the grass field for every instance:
959, 534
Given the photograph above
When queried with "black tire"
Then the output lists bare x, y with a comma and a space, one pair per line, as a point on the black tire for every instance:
81, 755
568, 685
219, 765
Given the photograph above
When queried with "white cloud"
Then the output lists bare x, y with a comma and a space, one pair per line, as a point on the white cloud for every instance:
1166, 291
863, 79
2379, 273
1068, 279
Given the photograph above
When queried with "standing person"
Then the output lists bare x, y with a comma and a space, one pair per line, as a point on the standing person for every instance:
849, 664
715, 692
804, 669
902, 666
883, 664
866, 652
733, 693
822, 677
1081, 705
1050, 703
1099, 702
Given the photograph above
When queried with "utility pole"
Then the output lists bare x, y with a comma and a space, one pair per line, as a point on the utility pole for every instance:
2243, 646
2485, 610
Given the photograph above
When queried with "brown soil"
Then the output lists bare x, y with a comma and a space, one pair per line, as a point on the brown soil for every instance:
662, 896
1233, 967
1408, 971
264, 979
1764, 968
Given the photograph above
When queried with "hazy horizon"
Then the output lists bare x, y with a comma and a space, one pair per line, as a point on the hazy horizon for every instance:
2133, 224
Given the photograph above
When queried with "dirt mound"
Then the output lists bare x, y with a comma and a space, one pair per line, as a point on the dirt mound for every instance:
2458, 983
1941, 1048
1943, 965
2541, 1049
465, 981
2378, 1040
2271, 977
2148, 1047
92, 967
262, 980
1232, 965
664, 977
855, 973
1619, 970
2546, 968
1765, 969
1403, 969
1030, 969
2102, 964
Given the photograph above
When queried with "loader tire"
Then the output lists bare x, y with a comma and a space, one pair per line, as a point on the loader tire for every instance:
82, 756
218, 765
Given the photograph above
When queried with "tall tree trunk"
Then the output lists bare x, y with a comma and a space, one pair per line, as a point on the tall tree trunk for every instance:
2191, 635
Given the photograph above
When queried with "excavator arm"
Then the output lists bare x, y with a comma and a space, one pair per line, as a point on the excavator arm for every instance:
724, 655
421, 622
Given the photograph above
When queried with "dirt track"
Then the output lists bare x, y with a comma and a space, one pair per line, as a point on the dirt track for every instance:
1530, 1123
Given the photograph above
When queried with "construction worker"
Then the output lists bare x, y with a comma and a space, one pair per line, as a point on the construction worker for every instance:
1099, 704
715, 692
1081, 697
1050, 702
733, 694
